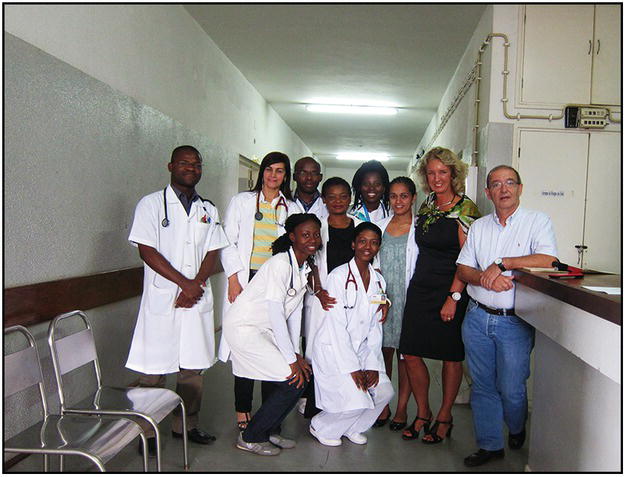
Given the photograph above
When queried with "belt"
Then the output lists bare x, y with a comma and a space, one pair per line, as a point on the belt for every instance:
496, 311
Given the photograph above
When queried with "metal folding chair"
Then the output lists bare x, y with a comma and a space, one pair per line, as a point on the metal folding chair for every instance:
77, 349
96, 439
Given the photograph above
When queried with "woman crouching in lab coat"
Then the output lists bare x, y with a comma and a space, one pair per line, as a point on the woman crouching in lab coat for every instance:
351, 386
262, 330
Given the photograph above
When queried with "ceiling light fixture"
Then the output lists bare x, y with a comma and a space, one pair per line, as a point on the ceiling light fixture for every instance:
350, 109
362, 156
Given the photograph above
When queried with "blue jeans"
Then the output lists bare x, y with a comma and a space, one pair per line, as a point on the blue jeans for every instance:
267, 420
497, 349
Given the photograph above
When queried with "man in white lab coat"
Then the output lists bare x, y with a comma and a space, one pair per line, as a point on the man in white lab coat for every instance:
178, 235
307, 174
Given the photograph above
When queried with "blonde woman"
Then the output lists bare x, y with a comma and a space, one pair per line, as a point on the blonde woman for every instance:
436, 297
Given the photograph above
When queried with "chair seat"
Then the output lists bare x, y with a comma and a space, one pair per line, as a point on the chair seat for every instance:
155, 402
102, 437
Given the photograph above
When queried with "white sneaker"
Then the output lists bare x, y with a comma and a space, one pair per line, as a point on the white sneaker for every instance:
258, 448
282, 442
301, 405
324, 441
357, 438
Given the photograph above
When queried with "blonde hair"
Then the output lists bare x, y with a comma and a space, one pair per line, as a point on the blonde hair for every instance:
458, 169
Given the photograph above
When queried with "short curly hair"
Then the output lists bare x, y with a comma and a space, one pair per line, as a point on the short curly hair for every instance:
457, 167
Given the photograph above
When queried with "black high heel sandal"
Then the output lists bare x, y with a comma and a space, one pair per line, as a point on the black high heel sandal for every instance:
397, 426
436, 439
415, 434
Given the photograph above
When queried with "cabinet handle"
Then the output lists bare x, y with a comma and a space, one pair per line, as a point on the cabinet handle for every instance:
598, 52
590, 47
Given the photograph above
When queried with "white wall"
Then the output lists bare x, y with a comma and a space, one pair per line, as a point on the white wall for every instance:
160, 56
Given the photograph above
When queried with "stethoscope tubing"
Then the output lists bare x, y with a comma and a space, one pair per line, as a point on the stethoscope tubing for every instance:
166, 221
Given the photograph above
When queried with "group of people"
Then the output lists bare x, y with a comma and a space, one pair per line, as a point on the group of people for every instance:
325, 287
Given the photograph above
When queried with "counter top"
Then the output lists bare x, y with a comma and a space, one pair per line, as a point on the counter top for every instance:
570, 290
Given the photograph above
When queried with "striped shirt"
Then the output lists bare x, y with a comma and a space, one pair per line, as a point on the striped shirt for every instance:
265, 232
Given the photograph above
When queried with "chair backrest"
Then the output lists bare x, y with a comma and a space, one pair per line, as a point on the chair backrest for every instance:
22, 369
71, 351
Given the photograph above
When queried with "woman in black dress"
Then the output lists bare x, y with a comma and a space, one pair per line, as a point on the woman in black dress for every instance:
436, 298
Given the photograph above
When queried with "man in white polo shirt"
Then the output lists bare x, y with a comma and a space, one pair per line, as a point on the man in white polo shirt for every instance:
497, 342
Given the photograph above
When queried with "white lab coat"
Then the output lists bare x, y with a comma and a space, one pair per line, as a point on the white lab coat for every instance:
247, 328
313, 311
375, 216
239, 227
412, 250
318, 208
348, 340
167, 338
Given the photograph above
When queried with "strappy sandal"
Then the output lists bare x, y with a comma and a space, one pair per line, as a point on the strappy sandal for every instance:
414, 434
435, 438
242, 425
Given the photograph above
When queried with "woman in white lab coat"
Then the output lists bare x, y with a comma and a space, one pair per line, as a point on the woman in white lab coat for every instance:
336, 234
262, 329
371, 192
397, 257
351, 386
253, 220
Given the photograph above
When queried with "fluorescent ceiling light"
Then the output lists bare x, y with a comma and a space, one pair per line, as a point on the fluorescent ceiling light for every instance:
362, 156
349, 109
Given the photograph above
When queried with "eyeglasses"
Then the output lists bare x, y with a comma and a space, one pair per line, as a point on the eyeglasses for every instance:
498, 185
307, 173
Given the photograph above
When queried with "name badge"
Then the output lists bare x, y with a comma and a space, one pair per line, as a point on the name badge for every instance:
379, 299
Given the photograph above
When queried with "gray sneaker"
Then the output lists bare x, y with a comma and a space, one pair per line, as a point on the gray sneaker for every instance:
282, 442
258, 448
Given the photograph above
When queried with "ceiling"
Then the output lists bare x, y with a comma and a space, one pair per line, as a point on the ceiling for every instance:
399, 55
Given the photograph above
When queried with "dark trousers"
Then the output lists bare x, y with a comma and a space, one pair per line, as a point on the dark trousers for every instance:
244, 389
275, 408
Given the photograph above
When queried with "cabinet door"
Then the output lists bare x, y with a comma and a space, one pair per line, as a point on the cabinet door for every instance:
602, 211
607, 65
557, 54
553, 167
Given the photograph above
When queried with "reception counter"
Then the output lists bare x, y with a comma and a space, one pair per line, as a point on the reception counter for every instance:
576, 402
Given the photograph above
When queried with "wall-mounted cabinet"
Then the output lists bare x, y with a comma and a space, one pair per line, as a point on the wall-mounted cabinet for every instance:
574, 177
571, 54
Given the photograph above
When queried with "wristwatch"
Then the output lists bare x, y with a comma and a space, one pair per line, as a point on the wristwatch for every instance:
498, 262
456, 296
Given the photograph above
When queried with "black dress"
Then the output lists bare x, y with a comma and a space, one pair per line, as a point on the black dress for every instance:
424, 333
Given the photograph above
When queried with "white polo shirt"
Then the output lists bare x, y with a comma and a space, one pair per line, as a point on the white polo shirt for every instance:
526, 232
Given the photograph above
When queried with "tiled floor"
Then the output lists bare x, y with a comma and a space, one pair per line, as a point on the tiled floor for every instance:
384, 452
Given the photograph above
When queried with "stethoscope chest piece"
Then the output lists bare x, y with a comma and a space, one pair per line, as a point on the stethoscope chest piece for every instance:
291, 292
165, 222
258, 215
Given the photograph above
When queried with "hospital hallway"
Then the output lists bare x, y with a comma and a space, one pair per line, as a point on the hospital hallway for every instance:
385, 451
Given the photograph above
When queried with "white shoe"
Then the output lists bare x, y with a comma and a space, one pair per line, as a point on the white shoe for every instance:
301, 405
324, 441
282, 442
357, 438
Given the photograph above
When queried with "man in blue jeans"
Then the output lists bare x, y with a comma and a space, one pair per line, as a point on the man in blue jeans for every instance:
497, 342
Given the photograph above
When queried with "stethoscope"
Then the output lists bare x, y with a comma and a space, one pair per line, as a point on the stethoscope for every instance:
281, 203
166, 222
291, 291
351, 279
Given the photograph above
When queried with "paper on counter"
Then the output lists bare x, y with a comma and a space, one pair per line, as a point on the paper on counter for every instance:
607, 290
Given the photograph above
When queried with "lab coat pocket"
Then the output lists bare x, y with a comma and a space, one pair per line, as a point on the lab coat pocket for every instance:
161, 301
325, 356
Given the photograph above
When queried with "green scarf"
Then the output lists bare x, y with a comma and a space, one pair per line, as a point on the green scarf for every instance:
465, 212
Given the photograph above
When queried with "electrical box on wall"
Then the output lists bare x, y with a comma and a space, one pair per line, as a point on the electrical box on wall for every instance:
586, 117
